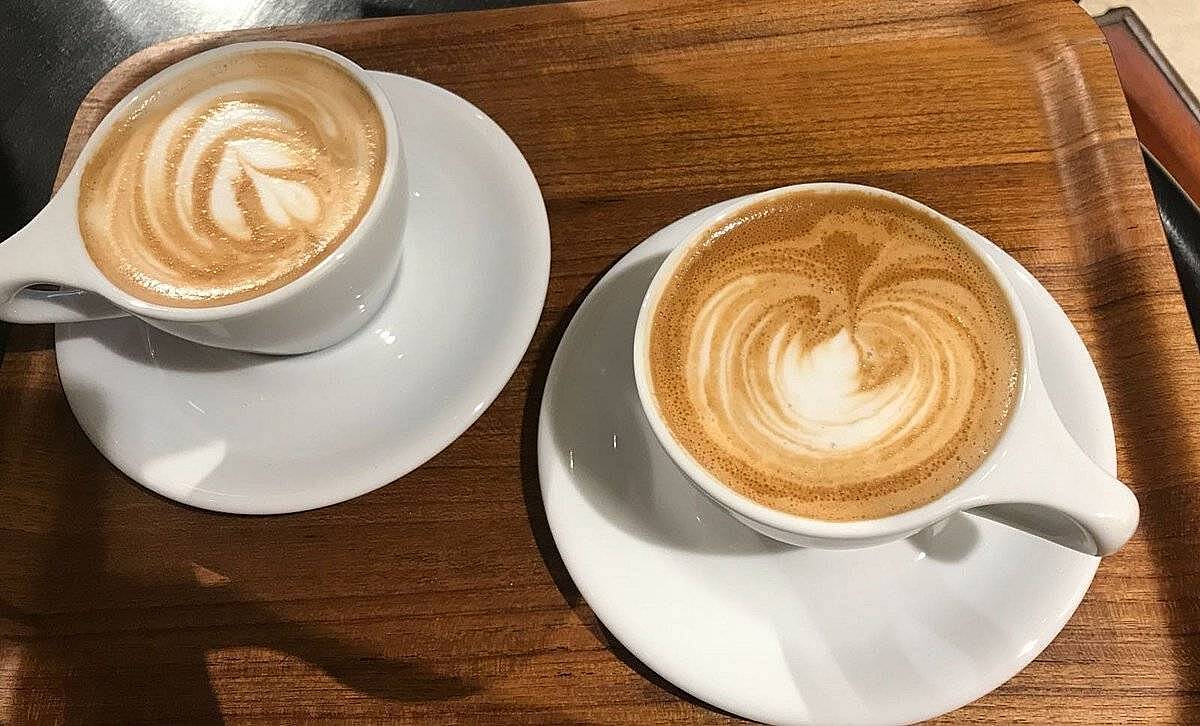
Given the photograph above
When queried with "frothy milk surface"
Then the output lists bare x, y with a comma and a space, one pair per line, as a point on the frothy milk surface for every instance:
838, 355
233, 179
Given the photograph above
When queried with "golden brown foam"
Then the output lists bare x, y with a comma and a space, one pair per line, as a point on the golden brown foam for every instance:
839, 356
232, 180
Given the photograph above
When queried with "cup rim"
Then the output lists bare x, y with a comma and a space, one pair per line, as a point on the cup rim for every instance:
970, 492
392, 168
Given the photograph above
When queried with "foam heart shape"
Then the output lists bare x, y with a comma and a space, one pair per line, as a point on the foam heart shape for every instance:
283, 202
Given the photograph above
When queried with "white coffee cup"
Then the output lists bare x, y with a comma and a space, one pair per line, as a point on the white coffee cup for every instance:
1059, 491
321, 307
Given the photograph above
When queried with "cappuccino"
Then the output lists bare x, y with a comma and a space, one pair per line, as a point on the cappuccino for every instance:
232, 180
835, 355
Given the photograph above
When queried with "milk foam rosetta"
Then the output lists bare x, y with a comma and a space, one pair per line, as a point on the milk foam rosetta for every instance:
232, 180
834, 355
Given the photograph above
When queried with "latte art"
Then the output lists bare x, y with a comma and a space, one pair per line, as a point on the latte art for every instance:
232, 180
838, 356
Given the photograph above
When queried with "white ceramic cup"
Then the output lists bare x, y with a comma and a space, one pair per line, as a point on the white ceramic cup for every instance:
321, 307
1036, 477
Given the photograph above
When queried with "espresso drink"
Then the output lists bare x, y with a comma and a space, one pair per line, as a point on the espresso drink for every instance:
839, 355
233, 179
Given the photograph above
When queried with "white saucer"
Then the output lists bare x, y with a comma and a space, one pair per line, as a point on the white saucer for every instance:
238, 432
893, 634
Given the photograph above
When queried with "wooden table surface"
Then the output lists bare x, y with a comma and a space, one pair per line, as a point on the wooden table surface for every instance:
440, 598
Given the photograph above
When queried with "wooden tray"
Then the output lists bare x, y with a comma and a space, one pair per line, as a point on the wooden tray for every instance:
440, 598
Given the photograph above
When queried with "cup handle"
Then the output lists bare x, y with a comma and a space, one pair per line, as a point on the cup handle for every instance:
1045, 484
34, 255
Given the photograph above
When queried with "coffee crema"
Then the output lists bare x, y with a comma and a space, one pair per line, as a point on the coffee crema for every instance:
835, 355
233, 179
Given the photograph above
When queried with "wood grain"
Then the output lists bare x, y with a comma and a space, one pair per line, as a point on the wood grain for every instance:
440, 598
1165, 123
